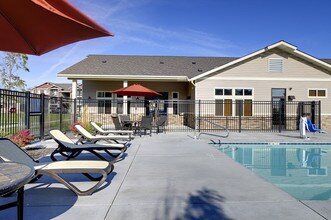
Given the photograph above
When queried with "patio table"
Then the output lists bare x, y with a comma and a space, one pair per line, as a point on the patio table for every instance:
13, 176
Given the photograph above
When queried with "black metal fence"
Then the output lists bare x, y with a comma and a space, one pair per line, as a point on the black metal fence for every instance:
37, 112
182, 115
41, 113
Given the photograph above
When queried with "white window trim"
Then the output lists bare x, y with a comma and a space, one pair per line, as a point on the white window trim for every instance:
96, 95
317, 97
172, 96
275, 59
234, 97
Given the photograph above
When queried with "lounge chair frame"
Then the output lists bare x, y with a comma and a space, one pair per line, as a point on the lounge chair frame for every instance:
87, 137
101, 131
9, 151
68, 149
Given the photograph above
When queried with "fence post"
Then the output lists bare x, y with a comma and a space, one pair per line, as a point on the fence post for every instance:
280, 116
27, 110
75, 110
61, 119
313, 112
199, 115
320, 114
42, 116
240, 113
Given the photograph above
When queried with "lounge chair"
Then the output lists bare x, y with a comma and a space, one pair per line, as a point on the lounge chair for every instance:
9, 151
101, 131
67, 148
88, 137
311, 127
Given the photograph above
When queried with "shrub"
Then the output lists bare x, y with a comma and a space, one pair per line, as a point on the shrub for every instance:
73, 129
22, 138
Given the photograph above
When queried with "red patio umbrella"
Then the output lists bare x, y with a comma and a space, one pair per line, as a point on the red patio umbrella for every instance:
38, 26
136, 90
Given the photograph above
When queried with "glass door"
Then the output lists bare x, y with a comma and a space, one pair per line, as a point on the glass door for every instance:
278, 97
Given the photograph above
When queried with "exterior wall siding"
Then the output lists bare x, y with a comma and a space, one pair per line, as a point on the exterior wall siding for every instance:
254, 74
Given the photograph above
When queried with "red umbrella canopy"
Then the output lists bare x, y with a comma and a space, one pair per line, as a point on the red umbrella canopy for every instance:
136, 90
39, 26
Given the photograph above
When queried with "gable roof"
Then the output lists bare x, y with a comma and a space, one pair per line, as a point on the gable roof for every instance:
170, 68
142, 67
324, 63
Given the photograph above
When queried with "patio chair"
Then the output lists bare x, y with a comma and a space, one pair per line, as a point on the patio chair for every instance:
117, 123
101, 131
311, 127
145, 124
9, 151
125, 122
160, 124
88, 137
67, 148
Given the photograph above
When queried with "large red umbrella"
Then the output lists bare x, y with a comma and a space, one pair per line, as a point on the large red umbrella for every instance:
136, 90
39, 26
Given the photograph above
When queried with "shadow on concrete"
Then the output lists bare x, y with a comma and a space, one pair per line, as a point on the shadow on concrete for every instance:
204, 204
42, 203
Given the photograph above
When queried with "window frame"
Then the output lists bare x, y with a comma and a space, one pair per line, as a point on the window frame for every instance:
98, 91
316, 90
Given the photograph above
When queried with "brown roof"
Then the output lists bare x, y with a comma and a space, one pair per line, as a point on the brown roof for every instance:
146, 65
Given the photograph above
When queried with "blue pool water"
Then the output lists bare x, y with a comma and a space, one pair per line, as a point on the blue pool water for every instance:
299, 169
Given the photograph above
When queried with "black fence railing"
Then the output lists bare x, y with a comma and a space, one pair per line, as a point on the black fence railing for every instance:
37, 112
41, 113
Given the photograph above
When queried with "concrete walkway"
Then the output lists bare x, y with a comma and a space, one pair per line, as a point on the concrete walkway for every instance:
172, 176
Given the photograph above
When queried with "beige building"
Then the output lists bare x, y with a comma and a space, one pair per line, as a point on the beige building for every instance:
278, 72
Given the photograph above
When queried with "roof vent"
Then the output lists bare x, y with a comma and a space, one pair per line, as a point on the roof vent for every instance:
199, 70
104, 61
275, 65
161, 62
194, 62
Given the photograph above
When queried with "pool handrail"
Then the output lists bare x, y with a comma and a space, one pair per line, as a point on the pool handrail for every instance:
205, 133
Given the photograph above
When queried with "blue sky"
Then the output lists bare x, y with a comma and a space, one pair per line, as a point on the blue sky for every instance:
191, 28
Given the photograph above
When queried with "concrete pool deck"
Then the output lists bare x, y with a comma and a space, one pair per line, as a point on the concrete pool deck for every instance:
173, 176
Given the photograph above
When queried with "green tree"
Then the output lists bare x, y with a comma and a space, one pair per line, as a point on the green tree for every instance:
10, 64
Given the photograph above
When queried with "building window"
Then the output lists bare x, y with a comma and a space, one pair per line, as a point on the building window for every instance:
218, 91
104, 95
104, 102
317, 93
237, 101
104, 106
275, 65
175, 95
227, 91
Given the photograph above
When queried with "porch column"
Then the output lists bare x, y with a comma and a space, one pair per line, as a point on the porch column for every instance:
125, 99
74, 89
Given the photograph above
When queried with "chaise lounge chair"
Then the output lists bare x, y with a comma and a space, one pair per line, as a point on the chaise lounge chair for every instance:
311, 127
9, 151
88, 137
67, 148
101, 131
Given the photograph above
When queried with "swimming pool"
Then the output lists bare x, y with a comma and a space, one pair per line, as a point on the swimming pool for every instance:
299, 169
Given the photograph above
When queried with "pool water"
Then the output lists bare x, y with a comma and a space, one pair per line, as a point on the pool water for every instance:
299, 169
